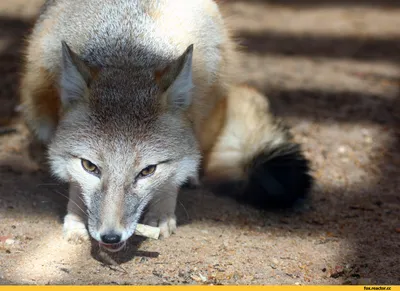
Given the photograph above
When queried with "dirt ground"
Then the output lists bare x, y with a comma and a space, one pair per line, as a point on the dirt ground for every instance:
331, 69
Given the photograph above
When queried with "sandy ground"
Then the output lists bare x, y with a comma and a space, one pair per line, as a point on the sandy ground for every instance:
331, 69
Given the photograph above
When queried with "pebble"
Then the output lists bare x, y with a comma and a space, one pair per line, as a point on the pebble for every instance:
364, 131
9, 241
203, 278
368, 139
345, 160
342, 149
195, 278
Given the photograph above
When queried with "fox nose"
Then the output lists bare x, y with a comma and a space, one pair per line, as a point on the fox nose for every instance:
110, 238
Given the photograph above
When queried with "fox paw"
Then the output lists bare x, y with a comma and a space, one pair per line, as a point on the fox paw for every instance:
167, 224
74, 230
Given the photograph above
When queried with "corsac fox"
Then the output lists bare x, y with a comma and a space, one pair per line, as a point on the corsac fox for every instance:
135, 98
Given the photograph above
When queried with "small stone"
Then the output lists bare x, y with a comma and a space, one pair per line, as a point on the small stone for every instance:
9, 241
4, 238
195, 278
204, 279
342, 149
339, 269
368, 139
364, 131
345, 160
275, 261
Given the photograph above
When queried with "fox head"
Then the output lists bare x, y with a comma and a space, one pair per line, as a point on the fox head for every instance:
125, 137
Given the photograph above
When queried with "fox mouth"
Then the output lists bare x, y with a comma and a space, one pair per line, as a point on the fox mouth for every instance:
113, 248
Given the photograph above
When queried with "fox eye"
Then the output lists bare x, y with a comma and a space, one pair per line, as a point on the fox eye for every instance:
148, 171
90, 167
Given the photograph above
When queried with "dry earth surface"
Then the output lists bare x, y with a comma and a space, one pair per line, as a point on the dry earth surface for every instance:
331, 69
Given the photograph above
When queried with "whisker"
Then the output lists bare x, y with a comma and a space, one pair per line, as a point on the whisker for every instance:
83, 201
184, 208
80, 208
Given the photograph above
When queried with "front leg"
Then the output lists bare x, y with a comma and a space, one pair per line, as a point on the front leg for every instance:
161, 211
74, 222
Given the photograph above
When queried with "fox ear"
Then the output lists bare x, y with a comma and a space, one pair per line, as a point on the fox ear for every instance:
75, 77
176, 81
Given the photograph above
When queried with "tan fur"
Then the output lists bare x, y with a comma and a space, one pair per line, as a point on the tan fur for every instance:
245, 126
212, 128
38, 94
39, 97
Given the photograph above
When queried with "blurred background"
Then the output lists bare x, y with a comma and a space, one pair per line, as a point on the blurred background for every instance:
331, 70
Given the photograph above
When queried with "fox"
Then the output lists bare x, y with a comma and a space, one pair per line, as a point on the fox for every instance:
135, 99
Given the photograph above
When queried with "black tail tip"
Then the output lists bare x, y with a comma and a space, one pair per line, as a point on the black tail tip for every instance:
276, 179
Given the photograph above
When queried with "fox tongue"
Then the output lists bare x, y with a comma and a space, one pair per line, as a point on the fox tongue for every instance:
113, 247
